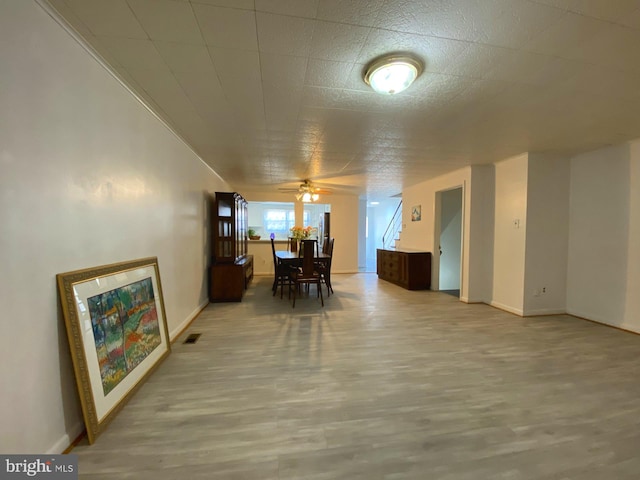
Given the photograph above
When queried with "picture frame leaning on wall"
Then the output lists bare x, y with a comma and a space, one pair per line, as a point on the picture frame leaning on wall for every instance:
117, 330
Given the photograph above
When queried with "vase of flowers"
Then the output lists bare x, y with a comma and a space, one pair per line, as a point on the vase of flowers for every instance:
297, 234
300, 233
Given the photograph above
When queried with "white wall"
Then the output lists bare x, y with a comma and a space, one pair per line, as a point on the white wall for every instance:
450, 239
421, 235
481, 193
547, 231
88, 177
604, 234
509, 238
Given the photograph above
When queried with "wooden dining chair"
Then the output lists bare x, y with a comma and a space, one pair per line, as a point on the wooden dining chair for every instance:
325, 244
307, 274
316, 250
324, 268
281, 272
292, 244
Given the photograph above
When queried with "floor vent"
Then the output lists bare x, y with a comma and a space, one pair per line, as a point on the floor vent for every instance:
193, 338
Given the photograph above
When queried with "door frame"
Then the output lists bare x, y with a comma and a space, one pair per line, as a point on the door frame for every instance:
437, 214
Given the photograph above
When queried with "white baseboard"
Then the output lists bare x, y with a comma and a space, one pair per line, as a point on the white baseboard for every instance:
506, 308
66, 440
544, 311
185, 323
472, 300
588, 316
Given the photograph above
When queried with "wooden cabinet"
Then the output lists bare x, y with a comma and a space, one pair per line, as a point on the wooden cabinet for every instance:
409, 269
232, 267
230, 227
230, 280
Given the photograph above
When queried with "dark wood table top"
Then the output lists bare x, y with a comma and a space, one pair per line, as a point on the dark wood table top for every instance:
287, 255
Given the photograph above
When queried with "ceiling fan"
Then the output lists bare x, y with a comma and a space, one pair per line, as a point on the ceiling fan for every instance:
307, 191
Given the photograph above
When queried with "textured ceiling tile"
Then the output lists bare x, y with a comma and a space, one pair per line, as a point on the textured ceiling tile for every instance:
167, 20
519, 21
523, 67
561, 4
239, 73
293, 8
611, 48
284, 35
283, 71
197, 131
454, 19
632, 20
480, 91
517, 98
70, 16
325, 73
355, 12
476, 60
446, 87
276, 114
102, 49
126, 77
321, 97
611, 10
204, 91
355, 78
281, 109
435, 52
227, 27
564, 36
182, 57
422, 17
242, 4
113, 18
334, 41
608, 83
164, 89
134, 53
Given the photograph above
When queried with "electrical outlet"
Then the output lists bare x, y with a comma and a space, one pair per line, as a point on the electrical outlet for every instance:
544, 289
516, 223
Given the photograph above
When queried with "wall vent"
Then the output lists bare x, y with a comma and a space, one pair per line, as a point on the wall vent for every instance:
192, 338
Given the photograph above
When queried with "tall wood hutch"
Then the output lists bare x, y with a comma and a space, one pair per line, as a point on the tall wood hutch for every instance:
232, 266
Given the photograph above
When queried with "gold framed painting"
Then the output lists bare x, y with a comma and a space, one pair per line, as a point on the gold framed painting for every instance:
117, 330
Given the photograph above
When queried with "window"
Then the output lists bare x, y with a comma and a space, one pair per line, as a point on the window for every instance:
271, 217
278, 221
278, 218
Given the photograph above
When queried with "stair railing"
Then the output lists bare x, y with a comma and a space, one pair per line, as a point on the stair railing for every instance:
391, 233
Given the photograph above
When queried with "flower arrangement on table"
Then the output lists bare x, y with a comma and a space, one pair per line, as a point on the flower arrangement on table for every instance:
300, 233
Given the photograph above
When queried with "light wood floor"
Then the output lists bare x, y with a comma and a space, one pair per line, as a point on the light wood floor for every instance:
382, 383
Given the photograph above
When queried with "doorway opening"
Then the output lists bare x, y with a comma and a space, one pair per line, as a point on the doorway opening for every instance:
378, 214
449, 237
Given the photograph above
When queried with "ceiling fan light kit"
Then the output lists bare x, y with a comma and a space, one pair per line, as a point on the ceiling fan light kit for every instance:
307, 193
393, 73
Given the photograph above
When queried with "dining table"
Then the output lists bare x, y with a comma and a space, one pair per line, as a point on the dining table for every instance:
294, 259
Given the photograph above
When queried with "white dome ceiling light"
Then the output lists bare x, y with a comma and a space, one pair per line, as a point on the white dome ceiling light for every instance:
392, 74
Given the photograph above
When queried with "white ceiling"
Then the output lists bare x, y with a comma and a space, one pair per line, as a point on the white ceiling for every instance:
270, 92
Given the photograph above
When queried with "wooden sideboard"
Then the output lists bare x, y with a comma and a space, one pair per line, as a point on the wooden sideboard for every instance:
230, 280
408, 269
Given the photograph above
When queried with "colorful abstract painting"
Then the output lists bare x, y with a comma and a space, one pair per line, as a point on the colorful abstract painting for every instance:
125, 328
